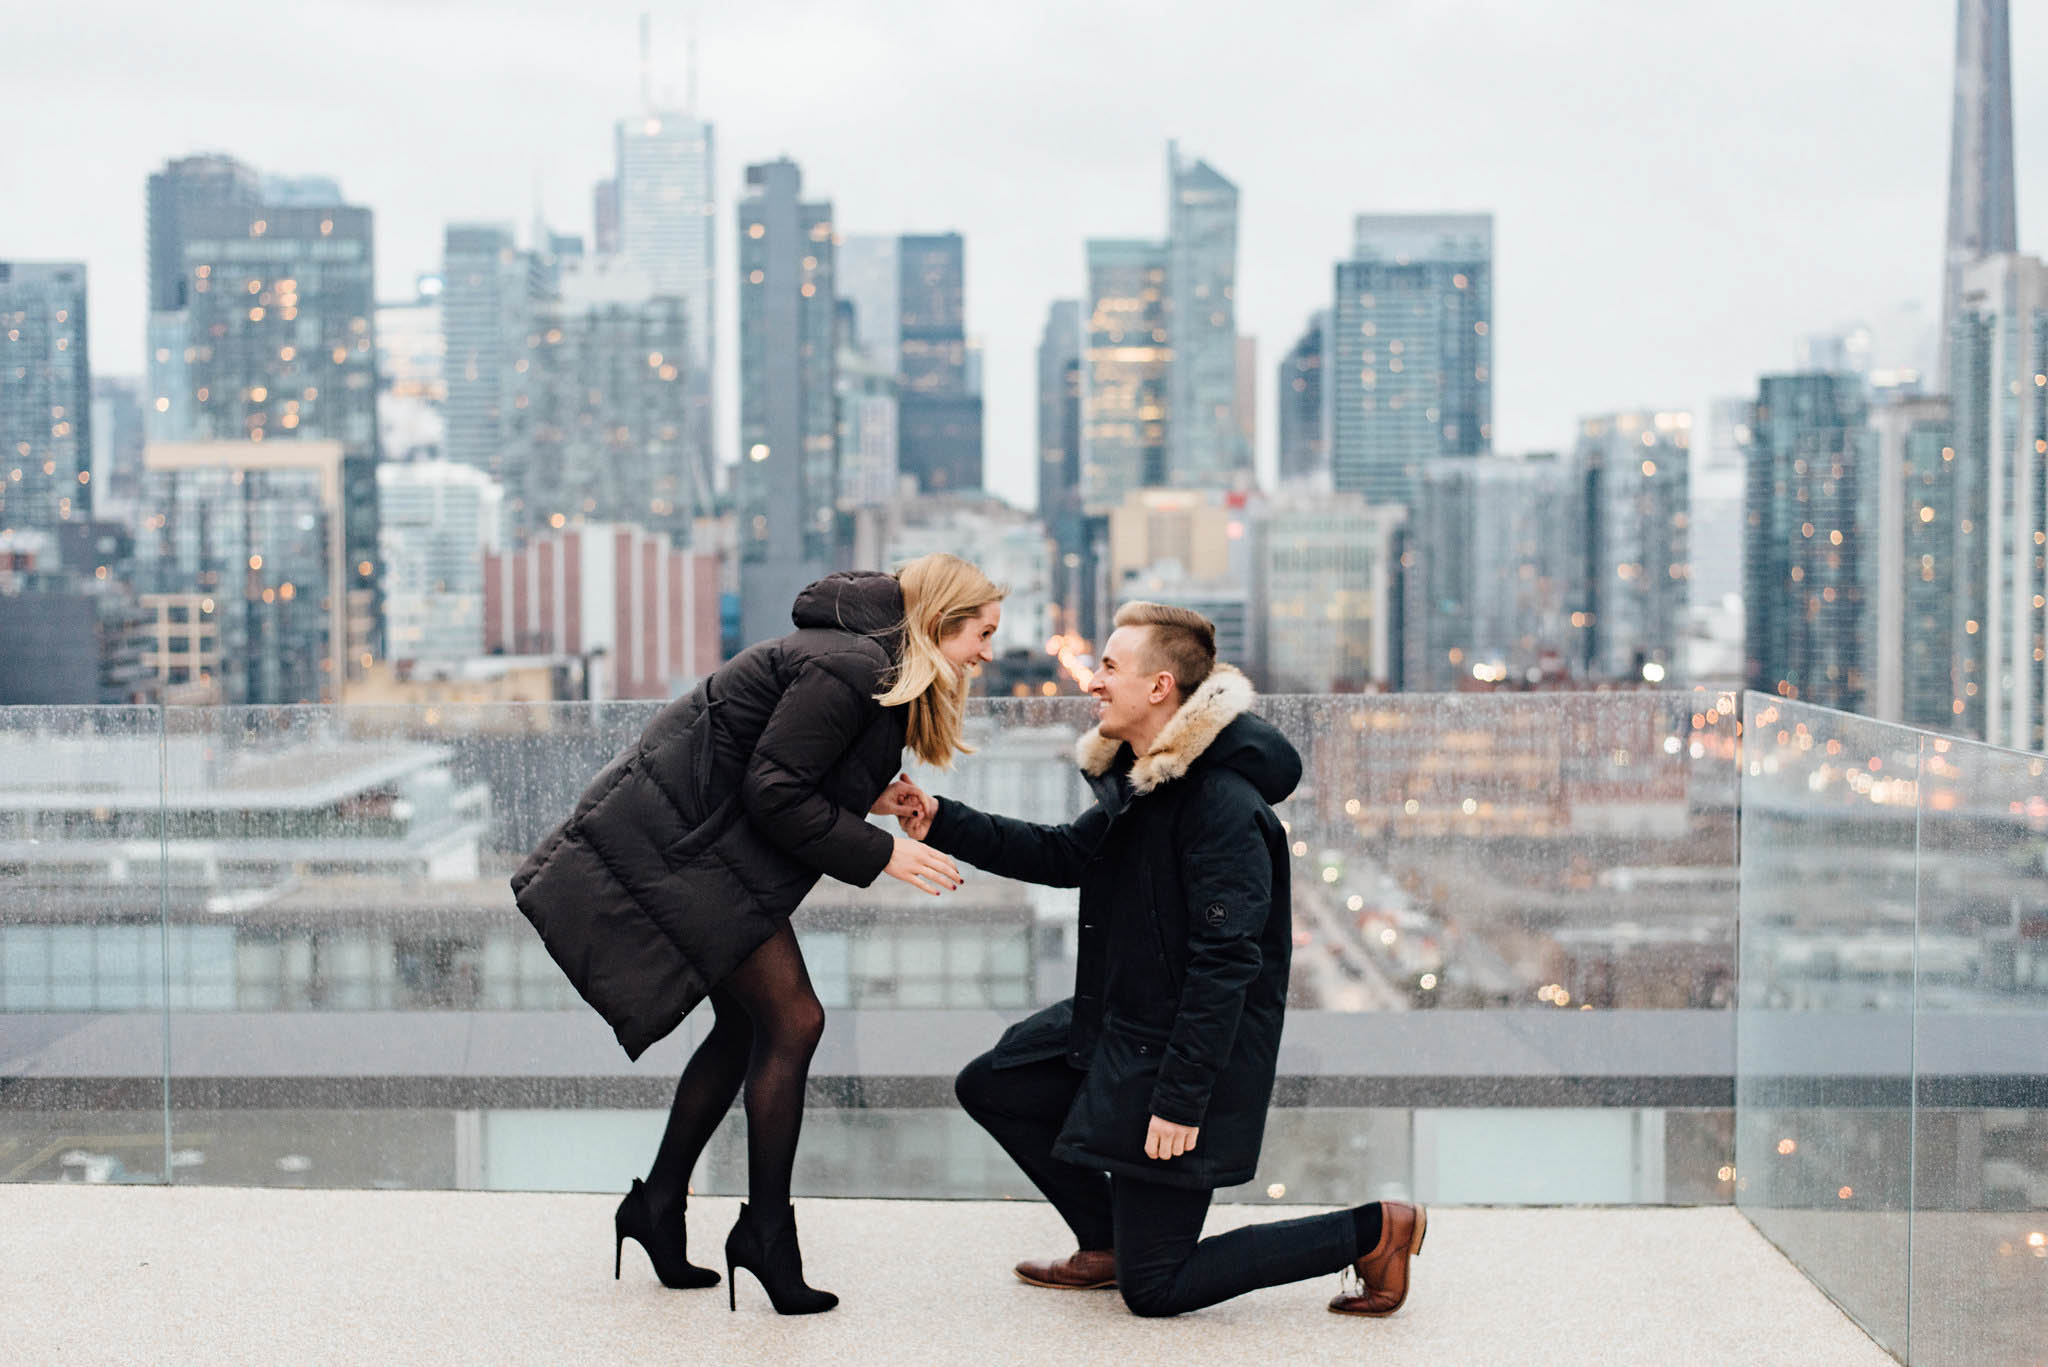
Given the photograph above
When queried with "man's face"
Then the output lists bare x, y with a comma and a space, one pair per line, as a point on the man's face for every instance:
1127, 686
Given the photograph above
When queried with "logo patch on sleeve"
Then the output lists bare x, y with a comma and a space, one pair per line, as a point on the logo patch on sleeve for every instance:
1216, 913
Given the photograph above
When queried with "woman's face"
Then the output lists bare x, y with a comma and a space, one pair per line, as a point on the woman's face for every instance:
970, 642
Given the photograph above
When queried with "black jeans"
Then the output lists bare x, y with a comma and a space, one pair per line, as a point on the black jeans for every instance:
1163, 1264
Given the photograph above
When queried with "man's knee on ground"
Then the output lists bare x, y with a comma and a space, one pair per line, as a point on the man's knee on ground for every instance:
1148, 1297
975, 1086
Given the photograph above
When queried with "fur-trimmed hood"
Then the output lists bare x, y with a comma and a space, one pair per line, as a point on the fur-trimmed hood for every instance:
1213, 712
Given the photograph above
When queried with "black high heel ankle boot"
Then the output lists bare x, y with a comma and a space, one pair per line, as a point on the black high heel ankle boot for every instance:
664, 1242
764, 1243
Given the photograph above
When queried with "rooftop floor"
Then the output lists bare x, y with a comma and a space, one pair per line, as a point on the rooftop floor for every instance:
95, 1274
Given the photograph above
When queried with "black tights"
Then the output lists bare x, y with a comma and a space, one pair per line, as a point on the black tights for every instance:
768, 1026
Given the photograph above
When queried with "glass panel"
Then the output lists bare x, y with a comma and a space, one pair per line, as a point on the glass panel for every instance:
1824, 1120
346, 953
81, 946
1980, 1152
1532, 895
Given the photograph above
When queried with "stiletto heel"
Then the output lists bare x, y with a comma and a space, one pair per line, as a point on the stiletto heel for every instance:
664, 1243
765, 1244
732, 1294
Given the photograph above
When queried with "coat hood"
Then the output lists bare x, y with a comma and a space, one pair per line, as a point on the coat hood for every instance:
1212, 726
863, 602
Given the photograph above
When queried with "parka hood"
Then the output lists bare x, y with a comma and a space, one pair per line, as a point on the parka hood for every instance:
863, 602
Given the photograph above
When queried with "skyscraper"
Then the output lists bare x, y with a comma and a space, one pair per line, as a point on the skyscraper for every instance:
1059, 460
1981, 220
1304, 431
1323, 593
604, 217
438, 521
46, 395
187, 194
1410, 359
245, 541
667, 194
1718, 469
1059, 411
667, 228
272, 338
788, 476
1631, 513
1916, 636
1248, 394
1803, 576
412, 380
868, 275
116, 445
1493, 570
2000, 395
868, 438
931, 298
939, 415
1126, 365
1206, 445
489, 294
609, 380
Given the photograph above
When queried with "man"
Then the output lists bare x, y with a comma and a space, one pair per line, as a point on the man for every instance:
1131, 1102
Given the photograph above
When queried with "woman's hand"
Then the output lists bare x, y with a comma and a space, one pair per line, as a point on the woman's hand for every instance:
923, 867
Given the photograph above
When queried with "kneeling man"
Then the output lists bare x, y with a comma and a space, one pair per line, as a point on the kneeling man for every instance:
1131, 1102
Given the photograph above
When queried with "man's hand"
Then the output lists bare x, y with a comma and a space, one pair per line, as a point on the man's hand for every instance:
899, 799
917, 824
1167, 1140
911, 805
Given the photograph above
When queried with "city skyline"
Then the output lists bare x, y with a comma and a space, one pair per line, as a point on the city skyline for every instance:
1770, 234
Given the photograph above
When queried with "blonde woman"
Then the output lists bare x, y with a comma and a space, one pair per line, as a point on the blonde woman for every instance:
676, 875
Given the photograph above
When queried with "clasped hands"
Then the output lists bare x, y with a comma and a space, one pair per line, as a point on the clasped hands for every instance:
913, 861
911, 805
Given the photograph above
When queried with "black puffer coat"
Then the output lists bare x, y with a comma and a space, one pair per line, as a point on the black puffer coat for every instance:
1186, 933
694, 844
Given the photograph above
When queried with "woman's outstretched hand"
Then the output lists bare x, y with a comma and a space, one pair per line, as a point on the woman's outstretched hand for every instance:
923, 867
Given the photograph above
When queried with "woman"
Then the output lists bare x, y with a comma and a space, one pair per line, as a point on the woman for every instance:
676, 875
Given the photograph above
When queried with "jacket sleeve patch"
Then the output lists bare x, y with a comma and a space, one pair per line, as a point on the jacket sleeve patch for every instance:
1216, 914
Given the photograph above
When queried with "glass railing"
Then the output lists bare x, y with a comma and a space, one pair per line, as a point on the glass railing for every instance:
277, 946
1892, 1133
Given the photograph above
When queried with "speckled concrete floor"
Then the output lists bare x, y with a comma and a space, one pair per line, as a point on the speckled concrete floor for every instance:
219, 1275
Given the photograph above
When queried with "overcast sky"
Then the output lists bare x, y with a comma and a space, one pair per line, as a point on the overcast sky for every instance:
1680, 192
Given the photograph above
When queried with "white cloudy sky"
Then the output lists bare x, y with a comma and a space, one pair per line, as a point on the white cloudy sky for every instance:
1680, 191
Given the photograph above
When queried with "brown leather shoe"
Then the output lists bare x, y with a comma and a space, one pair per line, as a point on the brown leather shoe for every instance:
1383, 1273
1087, 1270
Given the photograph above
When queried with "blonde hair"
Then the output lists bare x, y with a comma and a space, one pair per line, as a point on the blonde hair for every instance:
940, 592
1183, 641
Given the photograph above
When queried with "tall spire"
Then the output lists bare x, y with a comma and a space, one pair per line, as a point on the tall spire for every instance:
646, 64
1980, 184
690, 69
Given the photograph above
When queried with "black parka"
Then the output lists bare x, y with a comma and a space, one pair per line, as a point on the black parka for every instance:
697, 841
1186, 932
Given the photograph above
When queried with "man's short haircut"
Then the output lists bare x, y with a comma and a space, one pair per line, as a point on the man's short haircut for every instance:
1183, 641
